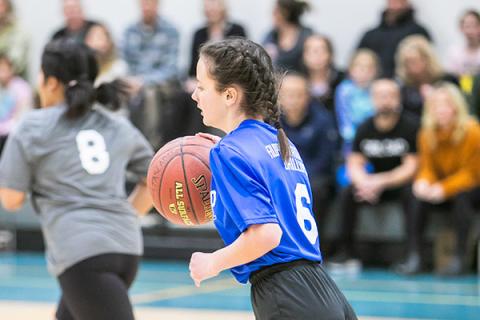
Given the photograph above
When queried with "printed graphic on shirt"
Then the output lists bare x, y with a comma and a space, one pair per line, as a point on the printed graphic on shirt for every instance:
385, 148
295, 162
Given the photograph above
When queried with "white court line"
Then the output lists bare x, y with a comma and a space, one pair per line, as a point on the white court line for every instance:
412, 298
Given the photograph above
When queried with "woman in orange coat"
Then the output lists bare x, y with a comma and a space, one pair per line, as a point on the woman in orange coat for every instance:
449, 173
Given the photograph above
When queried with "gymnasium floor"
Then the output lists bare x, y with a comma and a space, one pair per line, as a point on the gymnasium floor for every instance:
163, 290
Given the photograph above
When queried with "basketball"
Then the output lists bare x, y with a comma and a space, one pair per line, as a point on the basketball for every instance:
179, 181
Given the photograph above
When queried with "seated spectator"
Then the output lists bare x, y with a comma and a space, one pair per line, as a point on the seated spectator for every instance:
76, 26
387, 142
111, 65
353, 103
15, 98
464, 58
449, 174
285, 42
160, 108
217, 27
14, 41
397, 22
322, 74
150, 48
311, 128
418, 69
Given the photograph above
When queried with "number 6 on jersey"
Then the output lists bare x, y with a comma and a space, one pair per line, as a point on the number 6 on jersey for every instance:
93, 151
304, 214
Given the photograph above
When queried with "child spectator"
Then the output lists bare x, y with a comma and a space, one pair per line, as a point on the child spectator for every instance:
15, 98
353, 103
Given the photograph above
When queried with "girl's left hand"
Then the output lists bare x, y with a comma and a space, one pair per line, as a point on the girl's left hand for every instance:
202, 267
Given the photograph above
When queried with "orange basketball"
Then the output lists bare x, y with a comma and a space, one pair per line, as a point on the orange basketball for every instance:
179, 181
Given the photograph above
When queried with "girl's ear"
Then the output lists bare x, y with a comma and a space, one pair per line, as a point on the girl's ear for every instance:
231, 96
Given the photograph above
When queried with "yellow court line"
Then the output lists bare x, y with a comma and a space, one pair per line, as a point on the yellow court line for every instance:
184, 291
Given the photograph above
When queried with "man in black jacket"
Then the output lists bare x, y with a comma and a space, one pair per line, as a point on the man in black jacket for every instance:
397, 22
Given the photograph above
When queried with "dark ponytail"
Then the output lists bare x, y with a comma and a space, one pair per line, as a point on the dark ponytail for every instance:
75, 66
242, 62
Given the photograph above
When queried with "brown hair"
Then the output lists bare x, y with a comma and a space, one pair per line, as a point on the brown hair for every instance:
292, 10
242, 62
470, 12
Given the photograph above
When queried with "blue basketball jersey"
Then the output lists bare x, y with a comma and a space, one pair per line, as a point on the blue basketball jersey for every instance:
252, 185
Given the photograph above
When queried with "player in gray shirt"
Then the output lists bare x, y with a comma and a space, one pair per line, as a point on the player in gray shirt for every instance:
72, 156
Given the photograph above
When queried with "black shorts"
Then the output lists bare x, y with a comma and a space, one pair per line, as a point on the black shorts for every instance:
297, 290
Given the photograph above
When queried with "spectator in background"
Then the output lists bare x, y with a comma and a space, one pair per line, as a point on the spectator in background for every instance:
14, 41
285, 42
311, 128
218, 27
398, 22
160, 107
464, 59
323, 76
418, 69
110, 64
353, 103
15, 97
76, 26
386, 141
150, 48
449, 174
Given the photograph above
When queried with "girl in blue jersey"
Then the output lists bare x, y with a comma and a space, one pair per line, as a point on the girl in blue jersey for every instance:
260, 193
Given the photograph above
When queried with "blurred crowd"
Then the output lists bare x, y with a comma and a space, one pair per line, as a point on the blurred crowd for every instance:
396, 126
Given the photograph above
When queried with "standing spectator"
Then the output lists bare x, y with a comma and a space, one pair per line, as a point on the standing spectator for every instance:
398, 22
324, 77
14, 41
418, 68
464, 59
387, 141
111, 65
311, 128
449, 174
15, 98
76, 26
217, 27
353, 103
285, 42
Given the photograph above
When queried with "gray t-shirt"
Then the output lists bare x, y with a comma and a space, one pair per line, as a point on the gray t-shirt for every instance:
75, 171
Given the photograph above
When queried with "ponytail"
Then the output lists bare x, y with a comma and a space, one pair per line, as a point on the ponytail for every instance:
80, 95
283, 142
112, 94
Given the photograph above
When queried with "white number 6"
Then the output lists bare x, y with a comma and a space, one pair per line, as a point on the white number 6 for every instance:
93, 151
304, 214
